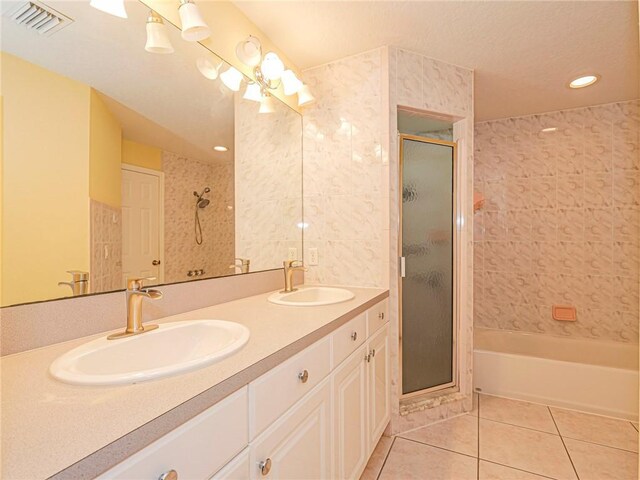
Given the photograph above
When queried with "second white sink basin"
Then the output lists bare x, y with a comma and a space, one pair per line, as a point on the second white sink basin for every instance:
172, 348
312, 296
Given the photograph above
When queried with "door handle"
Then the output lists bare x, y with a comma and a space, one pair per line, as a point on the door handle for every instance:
156, 262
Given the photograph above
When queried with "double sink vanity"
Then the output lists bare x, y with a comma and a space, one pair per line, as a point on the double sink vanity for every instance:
277, 385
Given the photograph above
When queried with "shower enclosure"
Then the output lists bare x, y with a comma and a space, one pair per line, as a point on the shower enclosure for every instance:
428, 307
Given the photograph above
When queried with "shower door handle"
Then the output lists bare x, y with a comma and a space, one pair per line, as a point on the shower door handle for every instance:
402, 267
155, 263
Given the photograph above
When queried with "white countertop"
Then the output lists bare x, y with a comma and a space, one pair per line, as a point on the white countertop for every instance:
48, 425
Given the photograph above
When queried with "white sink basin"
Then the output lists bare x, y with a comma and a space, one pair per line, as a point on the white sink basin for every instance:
312, 296
172, 348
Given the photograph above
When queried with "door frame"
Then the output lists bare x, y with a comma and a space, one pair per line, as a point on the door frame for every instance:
160, 176
453, 385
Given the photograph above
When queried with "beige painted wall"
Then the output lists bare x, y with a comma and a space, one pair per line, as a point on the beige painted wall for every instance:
228, 26
141, 155
45, 143
105, 152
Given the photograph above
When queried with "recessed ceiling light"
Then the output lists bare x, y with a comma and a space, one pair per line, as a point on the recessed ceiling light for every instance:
584, 81
220, 148
549, 129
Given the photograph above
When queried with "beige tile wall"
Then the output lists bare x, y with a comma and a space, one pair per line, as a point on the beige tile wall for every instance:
346, 190
268, 174
561, 222
106, 248
183, 176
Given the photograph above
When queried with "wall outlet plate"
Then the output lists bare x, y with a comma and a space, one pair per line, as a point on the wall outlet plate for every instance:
293, 253
313, 256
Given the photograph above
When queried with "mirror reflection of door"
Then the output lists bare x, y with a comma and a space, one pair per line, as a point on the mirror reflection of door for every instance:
141, 223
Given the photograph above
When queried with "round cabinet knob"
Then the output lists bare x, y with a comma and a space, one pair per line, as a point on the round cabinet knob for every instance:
381, 315
170, 475
303, 376
265, 467
156, 262
354, 336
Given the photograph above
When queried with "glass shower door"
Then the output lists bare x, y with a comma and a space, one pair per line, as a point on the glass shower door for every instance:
428, 260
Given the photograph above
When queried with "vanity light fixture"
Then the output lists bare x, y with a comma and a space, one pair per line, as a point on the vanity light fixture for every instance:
112, 7
232, 78
269, 73
253, 92
584, 81
157, 35
304, 96
220, 148
266, 104
208, 69
194, 28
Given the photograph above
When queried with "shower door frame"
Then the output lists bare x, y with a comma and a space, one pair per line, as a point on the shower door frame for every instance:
454, 384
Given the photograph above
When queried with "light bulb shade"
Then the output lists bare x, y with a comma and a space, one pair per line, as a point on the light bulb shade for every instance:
249, 51
112, 7
266, 105
290, 82
207, 69
272, 67
157, 36
194, 28
232, 78
304, 96
253, 92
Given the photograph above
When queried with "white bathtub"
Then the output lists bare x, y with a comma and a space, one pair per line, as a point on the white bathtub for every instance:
588, 375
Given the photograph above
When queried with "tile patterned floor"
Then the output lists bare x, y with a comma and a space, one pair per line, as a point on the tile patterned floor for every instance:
506, 439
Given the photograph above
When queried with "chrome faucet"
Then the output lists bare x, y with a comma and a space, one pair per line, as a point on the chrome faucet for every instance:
289, 269
244, 265
79, 283
135, 294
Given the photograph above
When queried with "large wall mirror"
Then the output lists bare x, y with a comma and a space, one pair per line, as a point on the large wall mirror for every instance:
122, 163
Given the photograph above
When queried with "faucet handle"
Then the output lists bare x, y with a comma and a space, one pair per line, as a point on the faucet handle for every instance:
78, 275
291, 263
136, 283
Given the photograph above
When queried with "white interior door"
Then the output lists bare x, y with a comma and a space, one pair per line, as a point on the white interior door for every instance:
141, 223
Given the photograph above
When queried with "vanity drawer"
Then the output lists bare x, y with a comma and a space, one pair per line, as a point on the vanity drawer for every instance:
196, 449
377, 316
348, 338
277, 390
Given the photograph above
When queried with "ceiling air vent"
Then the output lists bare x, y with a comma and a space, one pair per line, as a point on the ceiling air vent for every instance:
38, 17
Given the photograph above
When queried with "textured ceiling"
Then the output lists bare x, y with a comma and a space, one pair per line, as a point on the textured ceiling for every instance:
159, 99
524, 52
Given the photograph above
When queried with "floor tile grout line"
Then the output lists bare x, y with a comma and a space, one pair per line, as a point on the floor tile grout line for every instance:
520, 426
386, 457
563, 444
439, 448
517, 468
600, 444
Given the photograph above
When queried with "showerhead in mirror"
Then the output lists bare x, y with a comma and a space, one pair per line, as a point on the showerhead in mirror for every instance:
200, 203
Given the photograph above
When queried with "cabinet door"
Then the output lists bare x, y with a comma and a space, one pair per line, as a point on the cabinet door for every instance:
298, 445
379, 385
351, 443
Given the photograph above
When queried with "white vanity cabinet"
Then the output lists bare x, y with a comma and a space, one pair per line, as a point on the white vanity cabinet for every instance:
316, 416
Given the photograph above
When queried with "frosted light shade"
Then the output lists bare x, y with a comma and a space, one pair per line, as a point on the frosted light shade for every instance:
112, 7
253, 92
158, 38
249, 51
207, 69
290, 82
194, 28
232, 78
272, 67
304, 96
266, 105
